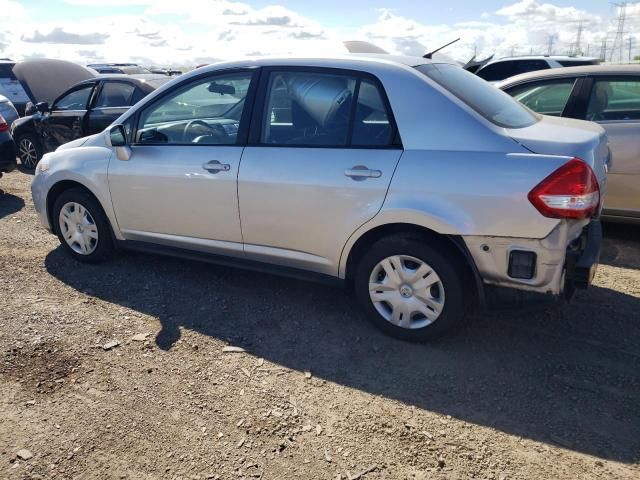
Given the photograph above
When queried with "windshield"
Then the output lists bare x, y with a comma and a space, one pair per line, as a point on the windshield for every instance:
490, 102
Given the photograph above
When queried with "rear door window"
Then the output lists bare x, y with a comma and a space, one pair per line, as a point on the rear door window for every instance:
311, 108
616, 100
547, 98
115, 94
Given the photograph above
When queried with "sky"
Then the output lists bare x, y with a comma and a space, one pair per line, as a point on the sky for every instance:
189, 32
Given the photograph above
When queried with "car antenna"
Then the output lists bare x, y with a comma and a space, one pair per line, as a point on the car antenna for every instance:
430, 54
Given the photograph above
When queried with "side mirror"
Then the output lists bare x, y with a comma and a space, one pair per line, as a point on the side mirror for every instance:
42, 107
116, 136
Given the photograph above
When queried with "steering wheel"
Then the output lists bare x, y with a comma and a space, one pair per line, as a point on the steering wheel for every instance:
214, 129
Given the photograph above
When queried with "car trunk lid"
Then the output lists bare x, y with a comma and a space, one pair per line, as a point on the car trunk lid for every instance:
567, 137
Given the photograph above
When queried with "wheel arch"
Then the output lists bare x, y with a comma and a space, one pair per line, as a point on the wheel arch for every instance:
453, 243
64, 185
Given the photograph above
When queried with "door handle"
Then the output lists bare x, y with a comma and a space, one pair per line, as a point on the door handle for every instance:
360, 172
215, 166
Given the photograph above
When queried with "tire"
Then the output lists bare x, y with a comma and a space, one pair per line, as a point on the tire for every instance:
90, 238
412, 304
29, 150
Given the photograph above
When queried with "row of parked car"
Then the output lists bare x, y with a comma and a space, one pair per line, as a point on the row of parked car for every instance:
60, 102
413, 182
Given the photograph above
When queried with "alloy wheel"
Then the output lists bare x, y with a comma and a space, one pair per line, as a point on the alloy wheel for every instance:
28, 153
78, 228
406, 291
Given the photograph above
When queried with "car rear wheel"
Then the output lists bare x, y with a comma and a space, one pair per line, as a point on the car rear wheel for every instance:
82, 226
410, 289
29, 151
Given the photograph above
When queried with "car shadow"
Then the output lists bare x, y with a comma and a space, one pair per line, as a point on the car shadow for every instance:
9, 204
621, 247
26, 171
567, 375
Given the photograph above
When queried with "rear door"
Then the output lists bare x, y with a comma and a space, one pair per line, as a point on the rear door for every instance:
113, 98
323, 148
66, 120
614, 103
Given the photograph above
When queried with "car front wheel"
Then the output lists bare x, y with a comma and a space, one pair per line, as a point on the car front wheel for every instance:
82, 226
411, 289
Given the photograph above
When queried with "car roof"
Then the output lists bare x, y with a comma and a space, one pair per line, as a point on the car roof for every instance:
572, 72
357, 60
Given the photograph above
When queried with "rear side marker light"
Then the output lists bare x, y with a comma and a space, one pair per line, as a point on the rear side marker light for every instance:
572, 191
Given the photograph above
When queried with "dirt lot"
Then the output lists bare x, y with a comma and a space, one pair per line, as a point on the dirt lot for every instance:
317, 393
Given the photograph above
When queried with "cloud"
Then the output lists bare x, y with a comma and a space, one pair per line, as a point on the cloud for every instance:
302, 35
187, 32
58, 35
283, 21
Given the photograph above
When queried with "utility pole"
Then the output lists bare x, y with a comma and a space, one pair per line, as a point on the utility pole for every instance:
630, 39
513, 49
552, 39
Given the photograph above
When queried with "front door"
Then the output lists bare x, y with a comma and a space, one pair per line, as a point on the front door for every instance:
66, 121
318, 166
179, 187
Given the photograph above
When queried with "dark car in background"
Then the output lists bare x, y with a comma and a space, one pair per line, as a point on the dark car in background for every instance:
86, 108
7, 148
608, 95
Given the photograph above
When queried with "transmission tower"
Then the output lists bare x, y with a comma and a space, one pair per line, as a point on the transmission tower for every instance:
618, 41
576, 47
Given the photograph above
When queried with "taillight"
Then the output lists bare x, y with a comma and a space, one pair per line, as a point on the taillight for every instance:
4, 126
572, 191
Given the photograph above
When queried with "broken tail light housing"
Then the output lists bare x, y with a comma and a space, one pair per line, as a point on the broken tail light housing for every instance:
570, 192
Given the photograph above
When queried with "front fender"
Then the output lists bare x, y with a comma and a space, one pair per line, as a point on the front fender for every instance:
87, 166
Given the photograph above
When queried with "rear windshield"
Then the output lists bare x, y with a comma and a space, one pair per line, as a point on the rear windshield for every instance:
489, 101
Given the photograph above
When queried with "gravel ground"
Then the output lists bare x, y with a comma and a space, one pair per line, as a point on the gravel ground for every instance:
122, 371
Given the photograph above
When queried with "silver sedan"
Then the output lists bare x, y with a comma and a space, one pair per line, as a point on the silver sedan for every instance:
412, 181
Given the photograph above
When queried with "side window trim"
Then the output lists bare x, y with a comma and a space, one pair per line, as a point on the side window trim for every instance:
247, 114
260, 105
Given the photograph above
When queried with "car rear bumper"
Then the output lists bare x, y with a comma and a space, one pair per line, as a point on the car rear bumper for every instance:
562, 259
583, 256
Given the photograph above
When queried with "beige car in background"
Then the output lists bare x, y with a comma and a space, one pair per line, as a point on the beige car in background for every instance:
608, 95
